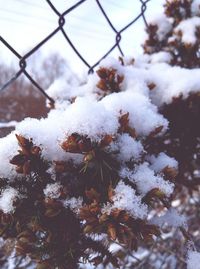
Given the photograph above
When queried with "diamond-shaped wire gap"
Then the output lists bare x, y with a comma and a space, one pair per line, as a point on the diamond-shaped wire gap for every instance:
92, 36
18, 73
62, 5
56, 48
136, 19
8, 65
97, 41
20, 99
132, 39
61, 22
118, 33
118, 39
30, 25
102, 43
141, 14
138, 7
22, 64
121, 17
131, 34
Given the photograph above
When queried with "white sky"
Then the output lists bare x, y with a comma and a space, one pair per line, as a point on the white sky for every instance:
24, 23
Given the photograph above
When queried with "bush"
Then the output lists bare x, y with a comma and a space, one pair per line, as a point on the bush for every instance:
97, 181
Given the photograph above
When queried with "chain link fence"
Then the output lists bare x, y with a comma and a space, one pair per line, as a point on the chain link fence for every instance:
62, 18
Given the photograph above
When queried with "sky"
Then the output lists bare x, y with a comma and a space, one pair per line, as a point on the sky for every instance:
24, 23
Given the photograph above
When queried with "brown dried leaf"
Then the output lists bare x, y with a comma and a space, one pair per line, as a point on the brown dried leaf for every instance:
106, 141
151, 86
170, 172
156, 131
112, 231
92, 195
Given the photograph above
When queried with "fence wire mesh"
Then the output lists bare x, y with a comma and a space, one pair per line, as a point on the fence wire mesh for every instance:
62, 18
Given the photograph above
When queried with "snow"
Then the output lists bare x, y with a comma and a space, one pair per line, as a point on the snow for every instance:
8, 148
89, 118
85, 117
129, 148
171, 82
109, 61
193, 260
195, 7
171, 218
162, 161
62, 89
45, 133
73, 203
92, 118
164, 25
8, 124
7, 198
160, 57
188, 28
125, 198
146, 180
95, 116
52, 190
140, 110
